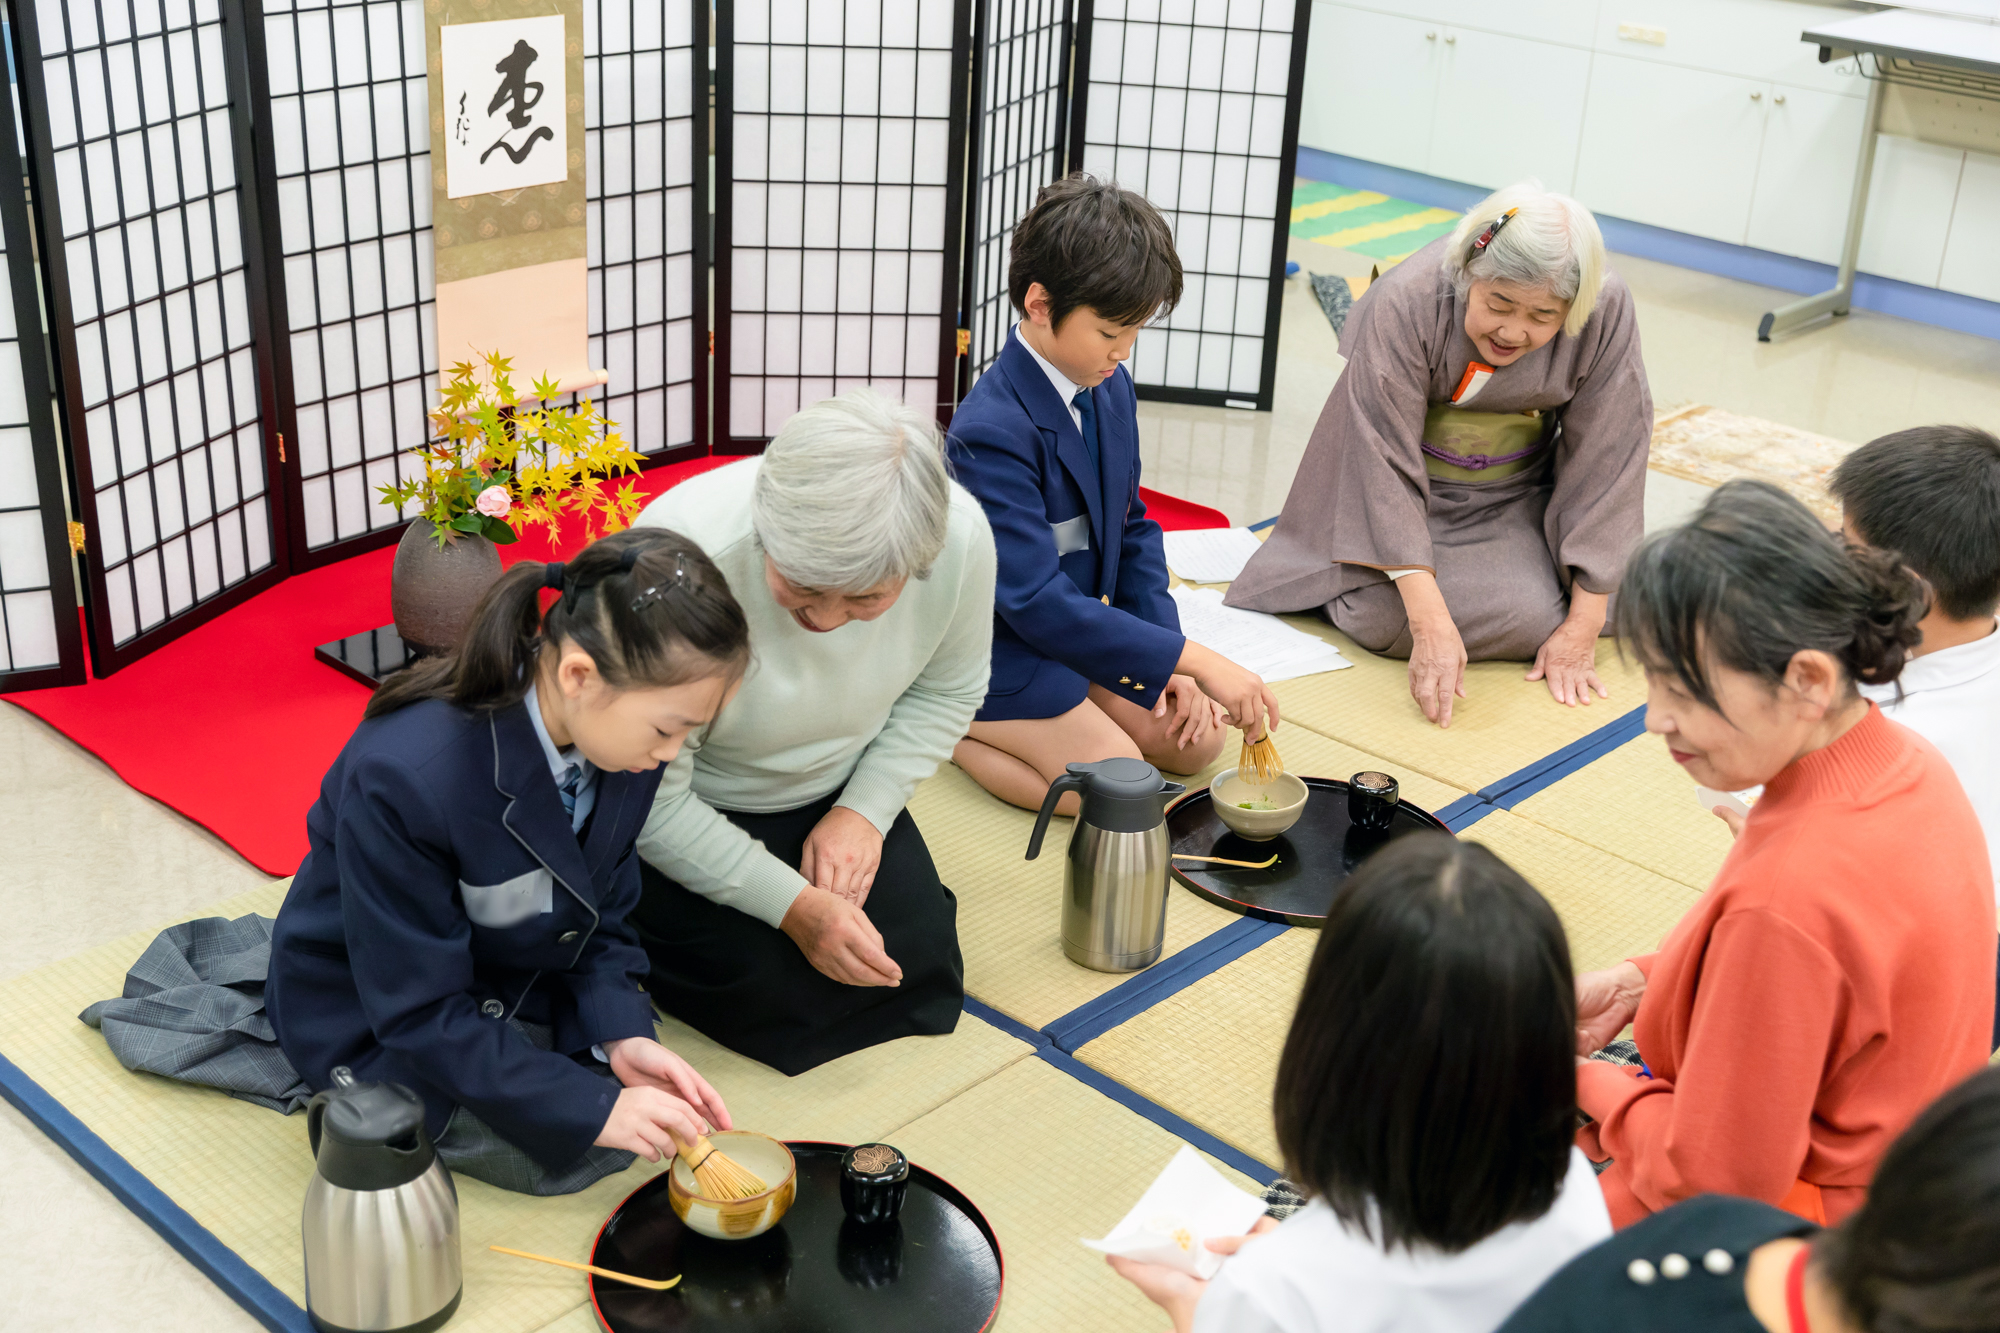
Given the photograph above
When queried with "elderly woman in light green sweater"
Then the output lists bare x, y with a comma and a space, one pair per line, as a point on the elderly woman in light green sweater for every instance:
867, 578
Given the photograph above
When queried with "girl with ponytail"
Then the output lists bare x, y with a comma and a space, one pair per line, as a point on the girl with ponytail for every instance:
1837, 975
459, 923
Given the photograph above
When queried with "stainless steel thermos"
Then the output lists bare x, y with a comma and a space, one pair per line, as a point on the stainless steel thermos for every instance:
1114, 912
381, 1216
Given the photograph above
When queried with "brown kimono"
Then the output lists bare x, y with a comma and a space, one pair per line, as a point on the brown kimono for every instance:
1368, 497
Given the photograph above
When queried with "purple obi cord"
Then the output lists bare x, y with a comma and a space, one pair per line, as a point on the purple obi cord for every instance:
1477, 462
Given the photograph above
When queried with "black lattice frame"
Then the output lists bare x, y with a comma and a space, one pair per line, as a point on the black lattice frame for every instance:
1005, 175
726, 440
1281, 229
108, 651
33, 349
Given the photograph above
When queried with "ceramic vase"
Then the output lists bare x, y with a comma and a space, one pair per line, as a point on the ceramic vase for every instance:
432, 591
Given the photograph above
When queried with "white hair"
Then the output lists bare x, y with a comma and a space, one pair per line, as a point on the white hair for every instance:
852, 493
1551, 242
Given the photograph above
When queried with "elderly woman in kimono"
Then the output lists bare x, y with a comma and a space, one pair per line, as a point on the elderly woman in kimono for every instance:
1477, 477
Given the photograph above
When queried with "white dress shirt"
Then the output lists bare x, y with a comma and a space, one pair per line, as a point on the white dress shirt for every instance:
560, 763
1314, 1275
1952, 699
1065, 389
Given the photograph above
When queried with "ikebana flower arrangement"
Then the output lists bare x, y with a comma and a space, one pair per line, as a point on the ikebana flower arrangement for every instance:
499, 463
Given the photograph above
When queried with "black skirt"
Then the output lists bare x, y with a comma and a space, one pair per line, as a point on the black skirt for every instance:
746, 985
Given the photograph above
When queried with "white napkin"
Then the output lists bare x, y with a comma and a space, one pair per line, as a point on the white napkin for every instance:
1189, 1203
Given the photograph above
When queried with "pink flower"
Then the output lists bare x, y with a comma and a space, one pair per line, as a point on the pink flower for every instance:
494, 502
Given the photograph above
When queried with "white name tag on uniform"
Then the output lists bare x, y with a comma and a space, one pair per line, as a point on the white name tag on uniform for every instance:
1072, 534
498, 906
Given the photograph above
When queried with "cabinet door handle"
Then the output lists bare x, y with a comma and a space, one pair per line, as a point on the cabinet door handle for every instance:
1451, 39
1779, 99
1756, 97
1430, 36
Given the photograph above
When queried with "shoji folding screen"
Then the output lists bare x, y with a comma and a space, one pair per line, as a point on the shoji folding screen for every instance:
1195, 103
840, 140
136, 124
1021, 91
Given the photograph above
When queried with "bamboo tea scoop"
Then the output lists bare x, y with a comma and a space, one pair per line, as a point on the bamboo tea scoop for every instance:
648, 1283
1225, 861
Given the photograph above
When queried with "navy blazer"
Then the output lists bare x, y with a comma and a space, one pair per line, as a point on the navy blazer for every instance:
1064, 618
444, 893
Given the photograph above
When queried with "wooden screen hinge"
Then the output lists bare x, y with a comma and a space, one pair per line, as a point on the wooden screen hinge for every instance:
76, 538
281, 446
964, 341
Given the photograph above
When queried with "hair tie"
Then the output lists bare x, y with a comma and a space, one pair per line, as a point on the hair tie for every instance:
1492, 229
552, 576
630, 557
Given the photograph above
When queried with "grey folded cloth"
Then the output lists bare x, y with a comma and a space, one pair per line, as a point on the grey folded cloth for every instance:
193, 1010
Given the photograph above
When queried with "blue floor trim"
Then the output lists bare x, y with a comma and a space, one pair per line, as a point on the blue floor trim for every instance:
222, 1265
1466, 810
1767, 268
986, 1013
1141, 992
1269, 522
1161, 1116
1517, 787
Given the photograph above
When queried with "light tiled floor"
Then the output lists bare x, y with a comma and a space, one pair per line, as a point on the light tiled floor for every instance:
87, 859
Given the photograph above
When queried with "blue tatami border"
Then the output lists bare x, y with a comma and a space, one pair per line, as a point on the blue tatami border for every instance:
196, 1243
1177, 1126
1767, 268
1518, 786
1141, 991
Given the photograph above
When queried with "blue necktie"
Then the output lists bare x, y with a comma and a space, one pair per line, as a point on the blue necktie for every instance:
1088, 408
568, 788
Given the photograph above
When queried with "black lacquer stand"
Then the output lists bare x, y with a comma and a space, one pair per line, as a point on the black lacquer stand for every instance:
371, 656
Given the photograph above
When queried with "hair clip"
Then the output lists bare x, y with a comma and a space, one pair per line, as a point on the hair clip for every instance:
1492, 230
678, 579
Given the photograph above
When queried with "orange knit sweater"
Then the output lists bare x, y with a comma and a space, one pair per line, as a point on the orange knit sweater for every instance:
1836, 977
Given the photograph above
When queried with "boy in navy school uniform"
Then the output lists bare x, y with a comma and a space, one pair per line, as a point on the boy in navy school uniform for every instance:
1088, 658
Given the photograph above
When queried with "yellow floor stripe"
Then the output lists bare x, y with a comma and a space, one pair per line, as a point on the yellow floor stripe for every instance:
1376, 230
1346, 203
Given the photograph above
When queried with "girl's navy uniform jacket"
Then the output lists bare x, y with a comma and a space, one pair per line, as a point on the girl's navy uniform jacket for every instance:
444, 893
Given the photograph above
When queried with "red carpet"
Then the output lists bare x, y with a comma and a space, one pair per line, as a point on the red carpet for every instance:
234, 723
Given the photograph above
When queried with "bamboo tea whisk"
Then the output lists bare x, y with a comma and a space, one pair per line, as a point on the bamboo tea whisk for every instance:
1259, 762
720, 1177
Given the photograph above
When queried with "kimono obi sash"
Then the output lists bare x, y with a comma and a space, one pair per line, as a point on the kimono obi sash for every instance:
1462, 445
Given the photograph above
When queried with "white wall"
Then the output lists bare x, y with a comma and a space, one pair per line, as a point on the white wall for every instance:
1729, 129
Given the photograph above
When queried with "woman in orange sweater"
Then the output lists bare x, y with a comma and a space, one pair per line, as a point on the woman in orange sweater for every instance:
1837, 976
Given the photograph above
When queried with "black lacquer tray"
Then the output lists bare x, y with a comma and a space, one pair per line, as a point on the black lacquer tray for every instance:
1314, 855
937, 1269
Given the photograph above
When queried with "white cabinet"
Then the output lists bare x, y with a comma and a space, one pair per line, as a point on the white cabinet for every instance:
1508, 109
1812, 141
1673, 147
1752, 39
1565, 22
1910, 209
1972, 253
1371, 85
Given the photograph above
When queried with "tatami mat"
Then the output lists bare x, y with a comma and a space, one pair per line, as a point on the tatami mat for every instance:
241, 1171
1503, 724
1210, 1052
1010, 908
1638, 804
1050, 1160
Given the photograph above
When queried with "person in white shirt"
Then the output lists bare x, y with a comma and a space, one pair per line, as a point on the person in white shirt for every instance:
791, 908
1932, 495
1426, 1105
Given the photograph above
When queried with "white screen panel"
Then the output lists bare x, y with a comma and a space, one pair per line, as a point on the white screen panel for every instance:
1022, 128
1187, 103
837, 253
164, 394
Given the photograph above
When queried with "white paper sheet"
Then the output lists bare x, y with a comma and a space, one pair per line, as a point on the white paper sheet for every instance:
1190, 1203
1210, 555
1258, 642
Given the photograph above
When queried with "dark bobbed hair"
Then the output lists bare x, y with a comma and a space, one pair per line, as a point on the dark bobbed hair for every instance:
671, 619
1755, 578
1923, 1253
1932, 495
1428, 1087
1094, 244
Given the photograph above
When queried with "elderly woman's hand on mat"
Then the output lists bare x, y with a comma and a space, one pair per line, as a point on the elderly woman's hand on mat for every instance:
1437, 653
1172, 1290
1568, 661
1190, 713
664, 1102
842, 854
1247, 702
1605, 1002
838, 938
